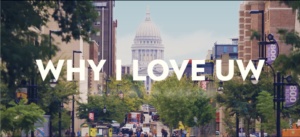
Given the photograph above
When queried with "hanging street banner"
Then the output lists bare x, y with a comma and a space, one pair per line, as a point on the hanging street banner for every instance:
271, 53
203, 85
91, 116
291, 94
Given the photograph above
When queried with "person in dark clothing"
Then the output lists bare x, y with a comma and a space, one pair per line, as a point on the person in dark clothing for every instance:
67, 133
164, 132
130, 132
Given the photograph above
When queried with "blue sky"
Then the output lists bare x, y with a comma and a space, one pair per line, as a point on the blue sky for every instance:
188, 28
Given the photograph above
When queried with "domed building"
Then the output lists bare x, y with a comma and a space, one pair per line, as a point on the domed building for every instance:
147, 47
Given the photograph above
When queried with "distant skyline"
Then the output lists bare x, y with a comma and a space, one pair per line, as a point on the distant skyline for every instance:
188, 28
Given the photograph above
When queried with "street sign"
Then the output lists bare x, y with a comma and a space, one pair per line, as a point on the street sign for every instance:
91, 116
241, 130
203, 85
291, 94
271, 53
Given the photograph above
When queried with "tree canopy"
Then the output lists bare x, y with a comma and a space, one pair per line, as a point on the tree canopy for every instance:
23, 42
181, 100
134, 97
20, 117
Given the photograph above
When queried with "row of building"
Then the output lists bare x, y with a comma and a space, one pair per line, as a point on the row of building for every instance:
276, 16
102, 46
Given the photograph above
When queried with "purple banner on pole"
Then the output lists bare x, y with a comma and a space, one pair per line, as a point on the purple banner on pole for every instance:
271, 53
291, 94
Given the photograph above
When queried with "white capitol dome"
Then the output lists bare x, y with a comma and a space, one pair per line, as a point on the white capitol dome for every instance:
147, 47
148, 30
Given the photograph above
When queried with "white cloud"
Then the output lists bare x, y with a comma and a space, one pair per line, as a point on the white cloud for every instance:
187, 46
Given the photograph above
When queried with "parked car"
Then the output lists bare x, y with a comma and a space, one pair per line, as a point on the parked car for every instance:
125, 129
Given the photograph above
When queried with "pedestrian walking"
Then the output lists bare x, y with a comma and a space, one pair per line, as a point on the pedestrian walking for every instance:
138, 133
79, 133
67, 133
130, 132
164, 132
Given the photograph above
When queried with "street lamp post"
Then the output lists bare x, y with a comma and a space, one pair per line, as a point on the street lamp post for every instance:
73, 133
53, 83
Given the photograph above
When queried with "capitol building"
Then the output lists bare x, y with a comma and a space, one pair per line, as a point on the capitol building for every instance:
147, 47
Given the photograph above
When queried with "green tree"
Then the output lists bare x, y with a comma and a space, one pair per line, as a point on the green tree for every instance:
134, 97
20, 117
135, 90
181, 100
265, 107
237, 95
50, 99
229, 123
20, 45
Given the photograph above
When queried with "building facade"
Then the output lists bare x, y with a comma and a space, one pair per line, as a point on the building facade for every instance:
219, 49
147, 47
105, 37
275, 16
126, 69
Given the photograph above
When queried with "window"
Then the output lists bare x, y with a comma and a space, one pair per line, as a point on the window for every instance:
224, 49
151, 42
144, 57
97, 23
144, 42
98, 33
150, 57
123, 70
128, 70
147, 41
235, 49
99, 13
98, 53
147, 88
147, 57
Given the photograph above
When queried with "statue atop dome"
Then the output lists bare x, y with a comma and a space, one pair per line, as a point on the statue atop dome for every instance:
148, 8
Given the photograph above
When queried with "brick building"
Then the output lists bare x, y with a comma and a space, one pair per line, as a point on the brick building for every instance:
275, 16
115, 25
105, 36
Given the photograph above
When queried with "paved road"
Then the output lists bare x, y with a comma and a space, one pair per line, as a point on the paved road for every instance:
159, 125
